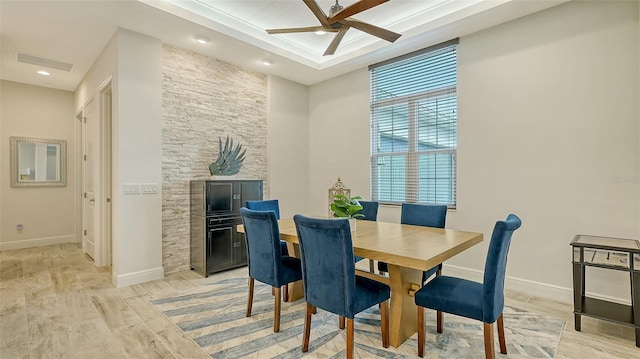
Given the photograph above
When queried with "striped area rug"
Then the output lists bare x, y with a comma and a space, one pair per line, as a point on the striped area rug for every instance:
214, 316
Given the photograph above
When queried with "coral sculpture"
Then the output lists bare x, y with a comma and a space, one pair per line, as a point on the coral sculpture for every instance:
229, 159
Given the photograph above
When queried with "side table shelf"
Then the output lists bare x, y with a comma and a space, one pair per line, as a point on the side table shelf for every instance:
609, 253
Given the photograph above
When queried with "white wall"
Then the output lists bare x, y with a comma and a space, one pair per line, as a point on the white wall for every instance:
548, 129
46, 213
288, 149
134, 62
339, 143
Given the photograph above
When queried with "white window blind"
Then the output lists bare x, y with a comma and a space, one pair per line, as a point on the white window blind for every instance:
414, 127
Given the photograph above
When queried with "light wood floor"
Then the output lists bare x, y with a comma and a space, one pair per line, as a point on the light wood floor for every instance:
55, 304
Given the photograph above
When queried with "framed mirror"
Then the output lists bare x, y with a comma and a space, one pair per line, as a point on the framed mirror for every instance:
38, 162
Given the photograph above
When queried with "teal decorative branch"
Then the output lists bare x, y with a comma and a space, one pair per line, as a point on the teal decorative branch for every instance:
229, 159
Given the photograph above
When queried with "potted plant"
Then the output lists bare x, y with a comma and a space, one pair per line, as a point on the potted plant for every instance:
347, 207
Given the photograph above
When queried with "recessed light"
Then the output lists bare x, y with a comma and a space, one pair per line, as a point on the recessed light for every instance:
43, 72
267, 62
201, 38
320, 32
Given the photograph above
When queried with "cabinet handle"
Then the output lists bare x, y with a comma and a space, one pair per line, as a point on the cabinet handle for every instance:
236, 244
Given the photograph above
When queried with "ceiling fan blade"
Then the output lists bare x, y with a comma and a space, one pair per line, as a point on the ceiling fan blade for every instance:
301, 29
336, 41
317, 11
353, 9
372, 29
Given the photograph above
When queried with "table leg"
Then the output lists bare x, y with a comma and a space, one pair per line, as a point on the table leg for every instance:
578, 294
402, 311
296, 289
635, 303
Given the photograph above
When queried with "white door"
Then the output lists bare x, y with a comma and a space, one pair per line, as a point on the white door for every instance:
90, 135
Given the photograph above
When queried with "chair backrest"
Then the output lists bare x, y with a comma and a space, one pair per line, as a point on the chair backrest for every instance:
428, 215
328, 269
265, 205
369, 210
263, 245
495, 267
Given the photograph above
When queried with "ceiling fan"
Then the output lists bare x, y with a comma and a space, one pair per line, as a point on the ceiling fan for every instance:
339, 21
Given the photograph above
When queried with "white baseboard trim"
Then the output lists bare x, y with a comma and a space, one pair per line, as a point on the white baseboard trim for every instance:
37, 242
148, 275
542, 290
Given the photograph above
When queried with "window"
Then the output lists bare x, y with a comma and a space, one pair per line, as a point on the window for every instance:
414, 127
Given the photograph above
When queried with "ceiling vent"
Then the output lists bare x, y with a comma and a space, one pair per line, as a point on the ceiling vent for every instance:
41, 61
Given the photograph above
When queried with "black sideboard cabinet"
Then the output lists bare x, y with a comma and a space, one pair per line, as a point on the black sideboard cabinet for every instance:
216, 245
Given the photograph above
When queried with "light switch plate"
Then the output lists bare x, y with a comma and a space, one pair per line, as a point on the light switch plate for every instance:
149, 188
132, 188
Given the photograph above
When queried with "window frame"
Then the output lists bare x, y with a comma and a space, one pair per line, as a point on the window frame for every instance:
412, 154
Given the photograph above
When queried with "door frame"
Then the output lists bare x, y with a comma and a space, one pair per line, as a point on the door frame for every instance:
104, 244
103, 220
83, 190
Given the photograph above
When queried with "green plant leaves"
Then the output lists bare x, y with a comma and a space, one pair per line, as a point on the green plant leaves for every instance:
343, 206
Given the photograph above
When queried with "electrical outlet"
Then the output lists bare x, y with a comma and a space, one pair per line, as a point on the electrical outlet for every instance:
149, 188
132, 188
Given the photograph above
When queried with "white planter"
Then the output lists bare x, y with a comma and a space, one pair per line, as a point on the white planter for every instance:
352, 224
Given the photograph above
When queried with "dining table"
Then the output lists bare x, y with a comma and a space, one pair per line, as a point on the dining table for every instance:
408, 250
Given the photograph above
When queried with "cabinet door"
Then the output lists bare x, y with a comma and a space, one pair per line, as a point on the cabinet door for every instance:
247, 191
220, 197
239, 249
220, 248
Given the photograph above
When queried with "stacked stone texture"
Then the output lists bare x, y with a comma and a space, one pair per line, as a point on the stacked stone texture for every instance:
204, 99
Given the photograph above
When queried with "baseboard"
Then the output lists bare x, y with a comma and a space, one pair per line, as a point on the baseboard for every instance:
148, 275
37, 242
538, 289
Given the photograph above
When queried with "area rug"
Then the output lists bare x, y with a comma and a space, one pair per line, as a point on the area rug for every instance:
213, 315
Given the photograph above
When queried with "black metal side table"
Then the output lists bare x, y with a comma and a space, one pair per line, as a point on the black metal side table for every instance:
610, 253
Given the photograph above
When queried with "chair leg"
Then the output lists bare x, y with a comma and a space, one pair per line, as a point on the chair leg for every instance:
371, 266
250, 301
438, 272
421, 334
285, 293
489, 350
276, 314
341, 322
350, 338
501, 338
307, 328
439, 320
384, 317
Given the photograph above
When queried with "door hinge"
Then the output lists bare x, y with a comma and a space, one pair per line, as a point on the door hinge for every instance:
108, 200
84, 119
85, 157
85, 232
85, 195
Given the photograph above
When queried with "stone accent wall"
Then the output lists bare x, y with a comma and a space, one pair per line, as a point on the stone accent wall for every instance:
204, 99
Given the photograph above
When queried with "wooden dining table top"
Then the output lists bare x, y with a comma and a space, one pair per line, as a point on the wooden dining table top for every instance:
409, 246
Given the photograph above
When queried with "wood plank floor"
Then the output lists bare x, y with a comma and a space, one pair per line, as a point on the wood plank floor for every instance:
54, 303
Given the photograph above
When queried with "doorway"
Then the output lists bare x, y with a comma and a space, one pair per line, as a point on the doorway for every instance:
96, 171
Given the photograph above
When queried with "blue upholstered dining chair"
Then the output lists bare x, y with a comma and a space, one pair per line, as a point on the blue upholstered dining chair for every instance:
369, 210
481, 301
266, 263
269, 205
427, 215
330, 282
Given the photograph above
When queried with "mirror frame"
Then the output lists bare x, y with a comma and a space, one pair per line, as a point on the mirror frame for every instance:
15, 168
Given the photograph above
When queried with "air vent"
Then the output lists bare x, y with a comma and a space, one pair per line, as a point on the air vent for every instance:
41, 61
